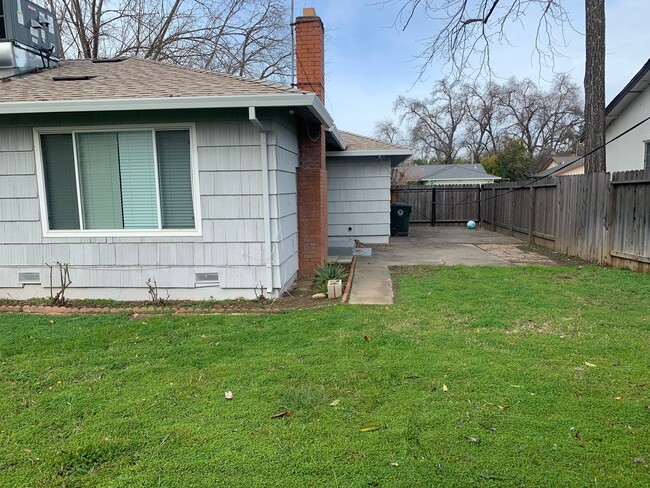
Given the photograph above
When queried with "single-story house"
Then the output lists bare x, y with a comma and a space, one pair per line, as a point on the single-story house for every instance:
212, 185
628, 108
562, 166
446, 174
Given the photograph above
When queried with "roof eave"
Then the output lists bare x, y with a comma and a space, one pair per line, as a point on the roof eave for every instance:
370, 152
396, 156
631, 89
337, 138
307, 100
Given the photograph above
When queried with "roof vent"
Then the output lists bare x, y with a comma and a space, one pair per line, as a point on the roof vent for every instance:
108, 60
73, 78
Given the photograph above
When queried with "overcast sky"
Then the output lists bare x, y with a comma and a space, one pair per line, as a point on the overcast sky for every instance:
369, 62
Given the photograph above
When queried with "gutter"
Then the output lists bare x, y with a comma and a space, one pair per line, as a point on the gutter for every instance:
268, 254
307, 100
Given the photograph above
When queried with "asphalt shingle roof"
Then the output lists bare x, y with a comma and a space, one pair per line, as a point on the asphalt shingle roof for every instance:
446, 172
131, 78
357, 142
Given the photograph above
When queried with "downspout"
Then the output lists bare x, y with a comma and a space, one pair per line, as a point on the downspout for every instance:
268, 256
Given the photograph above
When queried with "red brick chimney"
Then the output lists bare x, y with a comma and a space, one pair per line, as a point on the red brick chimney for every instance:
311, 175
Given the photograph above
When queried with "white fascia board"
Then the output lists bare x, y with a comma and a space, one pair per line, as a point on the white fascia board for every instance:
385, 152
338, 137
308, 100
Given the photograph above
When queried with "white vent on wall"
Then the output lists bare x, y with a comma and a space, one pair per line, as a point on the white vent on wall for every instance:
29, 278
203, 278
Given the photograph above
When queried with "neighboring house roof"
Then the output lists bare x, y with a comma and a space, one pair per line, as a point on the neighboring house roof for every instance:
431, 172
358, 145
628, 94
140, 84
562, 165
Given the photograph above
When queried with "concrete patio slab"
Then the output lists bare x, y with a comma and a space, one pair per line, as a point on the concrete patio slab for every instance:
434, 246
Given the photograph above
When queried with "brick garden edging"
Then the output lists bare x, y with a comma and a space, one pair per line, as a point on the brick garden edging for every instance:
49, 310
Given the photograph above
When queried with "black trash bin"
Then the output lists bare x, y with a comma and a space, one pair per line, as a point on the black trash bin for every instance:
400, 215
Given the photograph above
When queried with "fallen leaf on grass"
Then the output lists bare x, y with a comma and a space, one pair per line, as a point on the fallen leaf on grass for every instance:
369, 427
475, 440
444, 388
618, 398
228, 395
366, 338
278, 415
578, 436
591, 365
394, 464
639, 460
491, 429
335, 403
500, 407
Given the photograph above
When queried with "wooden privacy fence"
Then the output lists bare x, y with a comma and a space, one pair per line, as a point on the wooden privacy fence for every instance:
441, 204
603, 218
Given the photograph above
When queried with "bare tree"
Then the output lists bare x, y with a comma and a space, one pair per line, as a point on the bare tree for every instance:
546, 121
433, 123
473, 121
242, 37
467, 29
485, 117
387, 130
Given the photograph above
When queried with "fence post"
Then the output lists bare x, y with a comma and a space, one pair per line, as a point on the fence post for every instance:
610, 211
494, 209
531, 215
479, 204
433, 206
511, 216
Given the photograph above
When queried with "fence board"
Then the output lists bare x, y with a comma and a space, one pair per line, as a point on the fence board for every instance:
600, 217
453, 204
588, 216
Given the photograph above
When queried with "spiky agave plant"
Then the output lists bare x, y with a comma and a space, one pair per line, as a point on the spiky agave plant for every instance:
326, 272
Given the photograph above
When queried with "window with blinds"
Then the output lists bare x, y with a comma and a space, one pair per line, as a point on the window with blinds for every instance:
647, 155
108, 180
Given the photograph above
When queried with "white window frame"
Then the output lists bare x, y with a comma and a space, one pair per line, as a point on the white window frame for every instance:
194, 171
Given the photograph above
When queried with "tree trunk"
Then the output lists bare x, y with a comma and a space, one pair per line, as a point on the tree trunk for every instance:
595, 86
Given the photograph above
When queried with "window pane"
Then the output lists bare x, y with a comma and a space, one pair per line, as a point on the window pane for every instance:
175, 179
139, 206
60, 181
99, 173
647, 155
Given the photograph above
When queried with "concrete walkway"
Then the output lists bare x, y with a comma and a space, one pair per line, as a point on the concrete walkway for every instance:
433, 246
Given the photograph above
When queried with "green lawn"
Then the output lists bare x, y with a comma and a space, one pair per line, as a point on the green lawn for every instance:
493, 376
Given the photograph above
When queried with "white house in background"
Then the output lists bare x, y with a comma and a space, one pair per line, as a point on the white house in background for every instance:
628, 108
447, 174
213, 185
562, 166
